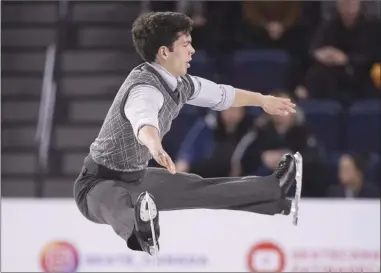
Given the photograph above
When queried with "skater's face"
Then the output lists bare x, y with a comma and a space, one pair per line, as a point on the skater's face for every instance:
176, 58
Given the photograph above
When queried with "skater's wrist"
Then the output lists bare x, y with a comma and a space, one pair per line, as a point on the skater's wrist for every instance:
149, 136
156, 149
248, 98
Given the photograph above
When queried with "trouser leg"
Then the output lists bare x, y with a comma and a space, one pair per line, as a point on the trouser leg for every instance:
190, 191
268, 208
110, 202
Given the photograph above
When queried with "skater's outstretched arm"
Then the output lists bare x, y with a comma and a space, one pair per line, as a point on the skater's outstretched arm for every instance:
149, 136
270, 104
141, 109
220, 97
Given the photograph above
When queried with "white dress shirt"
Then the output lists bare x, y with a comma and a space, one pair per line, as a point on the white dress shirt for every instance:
145, 101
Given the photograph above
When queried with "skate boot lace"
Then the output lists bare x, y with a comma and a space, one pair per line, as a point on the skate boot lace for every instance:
281, 169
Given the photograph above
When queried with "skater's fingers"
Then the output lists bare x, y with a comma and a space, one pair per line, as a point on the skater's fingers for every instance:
164, 160
170, 165
289, 106
160, 159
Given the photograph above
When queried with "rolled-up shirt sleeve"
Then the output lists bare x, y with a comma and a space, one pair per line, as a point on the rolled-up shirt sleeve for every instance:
142, 107
209, 94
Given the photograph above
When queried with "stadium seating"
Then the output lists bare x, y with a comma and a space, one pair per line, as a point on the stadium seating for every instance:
363, 126
259, 70
180, 127
202, 66
99, 58
325, 119
332, 167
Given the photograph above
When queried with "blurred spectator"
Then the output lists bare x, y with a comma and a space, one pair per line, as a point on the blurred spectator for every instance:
375, 72
194, 9
209, 145
343, 50
352, 179
311, 16
273, 24
148, 5
260, 150
370, 8
376, 75
279, 25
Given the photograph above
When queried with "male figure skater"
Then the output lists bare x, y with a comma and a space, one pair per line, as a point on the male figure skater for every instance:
116, 187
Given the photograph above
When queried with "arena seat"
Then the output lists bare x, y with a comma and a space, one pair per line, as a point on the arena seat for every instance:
198, 140
180, 127
202, 66
258, 70
332, 166
325, 119
254, 111
363, 127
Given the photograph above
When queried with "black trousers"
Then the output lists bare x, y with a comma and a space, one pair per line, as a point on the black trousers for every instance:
105, 199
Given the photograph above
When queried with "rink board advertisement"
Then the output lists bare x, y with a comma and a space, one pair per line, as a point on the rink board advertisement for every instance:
332, 236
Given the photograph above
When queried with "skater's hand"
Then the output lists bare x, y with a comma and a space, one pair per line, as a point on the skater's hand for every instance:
277, 106
164, 160
149, 136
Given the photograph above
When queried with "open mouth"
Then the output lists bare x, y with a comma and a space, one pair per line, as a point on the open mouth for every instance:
188, 64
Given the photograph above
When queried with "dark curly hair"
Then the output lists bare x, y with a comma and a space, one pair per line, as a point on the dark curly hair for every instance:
152, 30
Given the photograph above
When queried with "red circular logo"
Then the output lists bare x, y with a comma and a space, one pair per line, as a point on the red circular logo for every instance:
266, 257
59, 256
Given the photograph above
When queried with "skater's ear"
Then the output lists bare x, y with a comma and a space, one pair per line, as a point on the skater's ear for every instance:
163, 52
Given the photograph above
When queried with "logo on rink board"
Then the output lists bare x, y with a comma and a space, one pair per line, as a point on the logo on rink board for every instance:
266, 257
59, 256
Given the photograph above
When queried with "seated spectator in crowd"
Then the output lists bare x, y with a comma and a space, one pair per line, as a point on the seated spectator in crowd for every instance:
376, 75
279, 25
375, 72
343, 49
273, 24
352, 180
195, 9
370, 8
260, 150
209, 145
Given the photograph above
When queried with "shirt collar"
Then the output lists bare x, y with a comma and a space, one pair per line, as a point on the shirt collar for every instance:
167, 76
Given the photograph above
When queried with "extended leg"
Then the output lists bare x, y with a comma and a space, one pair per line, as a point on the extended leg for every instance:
189, 191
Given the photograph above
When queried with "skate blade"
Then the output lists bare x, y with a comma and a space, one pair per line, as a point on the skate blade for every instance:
153, 251
298, 191
151, 213
148, 208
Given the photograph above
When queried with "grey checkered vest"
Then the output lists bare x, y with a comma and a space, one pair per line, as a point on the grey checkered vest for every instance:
116, 146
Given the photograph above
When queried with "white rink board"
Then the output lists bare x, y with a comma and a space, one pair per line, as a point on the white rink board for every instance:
332, 235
